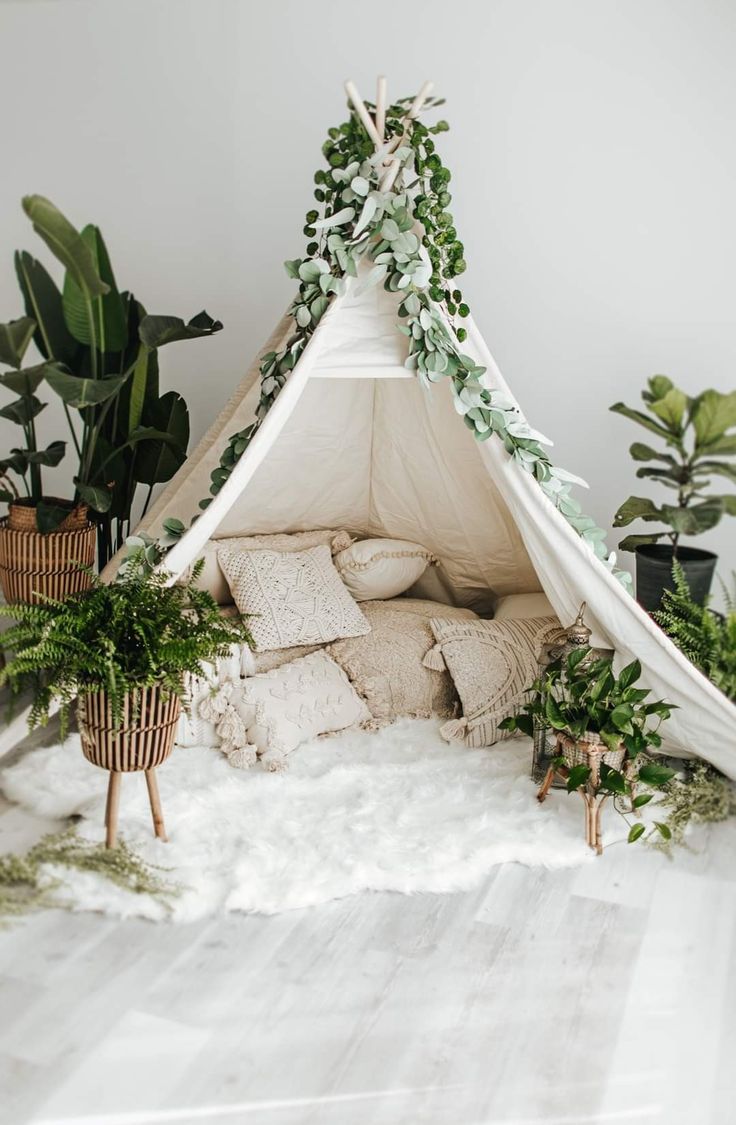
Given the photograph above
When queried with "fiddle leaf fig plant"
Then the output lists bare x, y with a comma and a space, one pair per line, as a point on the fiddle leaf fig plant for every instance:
699, 443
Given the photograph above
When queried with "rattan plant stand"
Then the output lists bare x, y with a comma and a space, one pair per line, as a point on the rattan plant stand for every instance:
141, 741
593, 753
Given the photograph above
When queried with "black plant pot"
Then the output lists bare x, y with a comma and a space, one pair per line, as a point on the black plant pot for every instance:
654, 573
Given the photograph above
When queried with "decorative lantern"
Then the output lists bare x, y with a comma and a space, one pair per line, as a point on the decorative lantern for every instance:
569, 640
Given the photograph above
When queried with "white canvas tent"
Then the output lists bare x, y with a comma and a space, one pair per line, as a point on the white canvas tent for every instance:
353, 440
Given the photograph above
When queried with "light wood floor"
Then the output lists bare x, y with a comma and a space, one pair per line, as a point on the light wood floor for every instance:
605, 994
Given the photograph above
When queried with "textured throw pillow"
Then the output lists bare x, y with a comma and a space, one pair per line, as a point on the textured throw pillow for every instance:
212, 577
518, 606
285, 707
492, 664
382, 568
296, 598
386, 666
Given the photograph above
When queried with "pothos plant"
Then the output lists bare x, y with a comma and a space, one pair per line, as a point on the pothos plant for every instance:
574, 697
387, 209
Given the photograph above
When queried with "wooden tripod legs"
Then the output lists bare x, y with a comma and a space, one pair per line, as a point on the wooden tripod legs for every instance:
113, 803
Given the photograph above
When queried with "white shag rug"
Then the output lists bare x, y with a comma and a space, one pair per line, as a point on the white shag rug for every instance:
391, 810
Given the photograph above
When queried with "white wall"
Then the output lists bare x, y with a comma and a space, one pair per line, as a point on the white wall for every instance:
591, 146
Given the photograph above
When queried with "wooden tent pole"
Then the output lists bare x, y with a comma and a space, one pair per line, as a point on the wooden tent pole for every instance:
420, 99
381, 107
396, 142
362, 112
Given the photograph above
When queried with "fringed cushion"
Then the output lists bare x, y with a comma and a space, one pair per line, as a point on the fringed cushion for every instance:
388, 666
382, 568
492, 663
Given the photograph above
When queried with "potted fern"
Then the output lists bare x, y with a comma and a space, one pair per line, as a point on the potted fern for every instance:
707, 638
699, 436
602, 724
121, 653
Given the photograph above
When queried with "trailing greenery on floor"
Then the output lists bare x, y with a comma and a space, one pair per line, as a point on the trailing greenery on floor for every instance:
706, 638
367, 213
704, 796
27, 882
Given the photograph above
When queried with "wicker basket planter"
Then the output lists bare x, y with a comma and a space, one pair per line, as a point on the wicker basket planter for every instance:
33, 563
578, 752
141, 741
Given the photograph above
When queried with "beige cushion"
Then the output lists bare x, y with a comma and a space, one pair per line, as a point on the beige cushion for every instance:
386, 665
294, 597
212, 577
284, 707
519, 606
492, 663
381, 568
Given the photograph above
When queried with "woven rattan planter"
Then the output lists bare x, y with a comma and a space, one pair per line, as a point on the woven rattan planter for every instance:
22, 517
32, 563
141, 741
578, 752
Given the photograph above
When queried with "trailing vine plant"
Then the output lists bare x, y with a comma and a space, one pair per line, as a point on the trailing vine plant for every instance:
386, 207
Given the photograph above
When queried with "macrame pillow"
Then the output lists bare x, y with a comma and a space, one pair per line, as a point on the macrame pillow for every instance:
386, 667
382, 568
212, 577
492, 663
285, 707
296, 598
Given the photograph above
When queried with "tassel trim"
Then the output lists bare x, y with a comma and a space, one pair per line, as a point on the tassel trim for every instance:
455, 730
434, 660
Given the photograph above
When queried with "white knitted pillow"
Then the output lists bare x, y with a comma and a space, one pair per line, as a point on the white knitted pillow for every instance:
213, 580
296, 598
285, 707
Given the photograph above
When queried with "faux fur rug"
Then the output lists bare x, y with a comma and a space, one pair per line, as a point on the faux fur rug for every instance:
393, 810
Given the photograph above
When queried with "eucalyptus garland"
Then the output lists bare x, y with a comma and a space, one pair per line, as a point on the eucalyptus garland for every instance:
362, 218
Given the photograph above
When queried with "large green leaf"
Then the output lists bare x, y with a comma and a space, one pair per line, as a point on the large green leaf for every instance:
631, 542
695, 519
155, 331
641, 452
50, 515
80, 393
653, 774
50, 456
671, 408
99, 499
720, 446
15, 336
713, 414
65, 243
720, 468
22, 410
43, 302
157, 461
139, 386
642, 419
636, 508
24, 382
658, 386
108, 311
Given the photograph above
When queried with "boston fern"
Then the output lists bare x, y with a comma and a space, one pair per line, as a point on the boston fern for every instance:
706, 638
134, 633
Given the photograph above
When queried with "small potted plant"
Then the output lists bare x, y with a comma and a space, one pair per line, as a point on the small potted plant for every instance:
121, 652
699, 436
44, 541
602, 723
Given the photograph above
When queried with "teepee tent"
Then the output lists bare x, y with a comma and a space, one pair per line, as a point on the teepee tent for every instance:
372, 407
